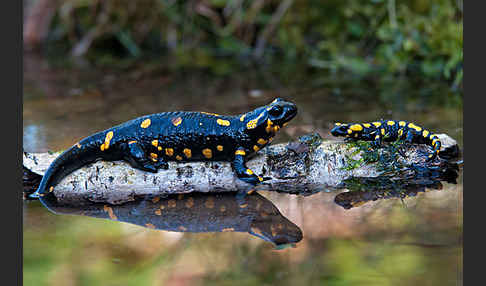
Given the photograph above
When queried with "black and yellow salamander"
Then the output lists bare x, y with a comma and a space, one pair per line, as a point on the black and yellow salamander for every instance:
148, 142
389, 131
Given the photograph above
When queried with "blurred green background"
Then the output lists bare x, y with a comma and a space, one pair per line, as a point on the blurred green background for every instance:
422, 38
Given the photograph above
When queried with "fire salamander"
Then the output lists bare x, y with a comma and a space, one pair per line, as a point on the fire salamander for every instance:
148, 142
388, 131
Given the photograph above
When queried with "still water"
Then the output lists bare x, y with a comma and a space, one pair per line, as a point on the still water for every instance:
413, 240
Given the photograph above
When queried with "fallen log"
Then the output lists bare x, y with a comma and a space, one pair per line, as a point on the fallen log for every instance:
303, 167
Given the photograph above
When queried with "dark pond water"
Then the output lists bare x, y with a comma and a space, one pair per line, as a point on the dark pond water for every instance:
328, 238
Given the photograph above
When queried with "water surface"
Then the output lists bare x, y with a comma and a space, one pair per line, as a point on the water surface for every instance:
413, 240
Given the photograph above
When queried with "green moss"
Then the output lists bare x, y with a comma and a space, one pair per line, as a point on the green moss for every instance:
365, 37
384, 157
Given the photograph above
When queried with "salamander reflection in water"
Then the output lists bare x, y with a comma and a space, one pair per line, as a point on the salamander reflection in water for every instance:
198, 212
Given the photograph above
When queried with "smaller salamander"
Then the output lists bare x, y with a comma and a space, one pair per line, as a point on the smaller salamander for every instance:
389, 131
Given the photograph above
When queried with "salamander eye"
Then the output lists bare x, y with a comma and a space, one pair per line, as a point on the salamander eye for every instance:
275, 111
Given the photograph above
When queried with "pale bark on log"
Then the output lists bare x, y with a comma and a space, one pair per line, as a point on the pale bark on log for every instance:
292, 168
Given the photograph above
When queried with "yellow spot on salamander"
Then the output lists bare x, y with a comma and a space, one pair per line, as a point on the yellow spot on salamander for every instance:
269, 127
256, 148
260, 179
179, 158
108, 138
242, 118
350, 131
240, 152
131, 142
262, 141
78, 145
189, 203
377, 137
155, 143
425, 133
249, 172
169, 151
207, 153
146, 123
253, 123
413, 126
187, 152
159, 148
209, 203
376, 123
382, 131
223, 122
338, 124
356, 127
209, 113
219, 148
367, 125
51, 189
390, 123
400, 132
153, 155
176, 121
402, 123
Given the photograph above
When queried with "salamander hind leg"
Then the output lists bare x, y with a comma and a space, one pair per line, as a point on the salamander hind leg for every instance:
242, 171
436, 145
138, 159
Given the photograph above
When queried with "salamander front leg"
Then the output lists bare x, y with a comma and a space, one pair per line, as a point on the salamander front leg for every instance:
138, 159
377, 142
242, 171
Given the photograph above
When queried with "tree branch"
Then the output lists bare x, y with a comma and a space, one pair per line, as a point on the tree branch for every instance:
303, 167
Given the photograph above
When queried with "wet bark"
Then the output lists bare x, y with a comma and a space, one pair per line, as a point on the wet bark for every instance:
302, 167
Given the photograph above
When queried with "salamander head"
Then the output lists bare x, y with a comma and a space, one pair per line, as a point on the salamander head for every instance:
354, 130
270, 117
340, 129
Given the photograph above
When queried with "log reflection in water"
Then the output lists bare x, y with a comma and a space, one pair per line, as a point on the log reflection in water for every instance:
364, 190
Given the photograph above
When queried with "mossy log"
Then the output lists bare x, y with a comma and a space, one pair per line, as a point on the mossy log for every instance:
304, 167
